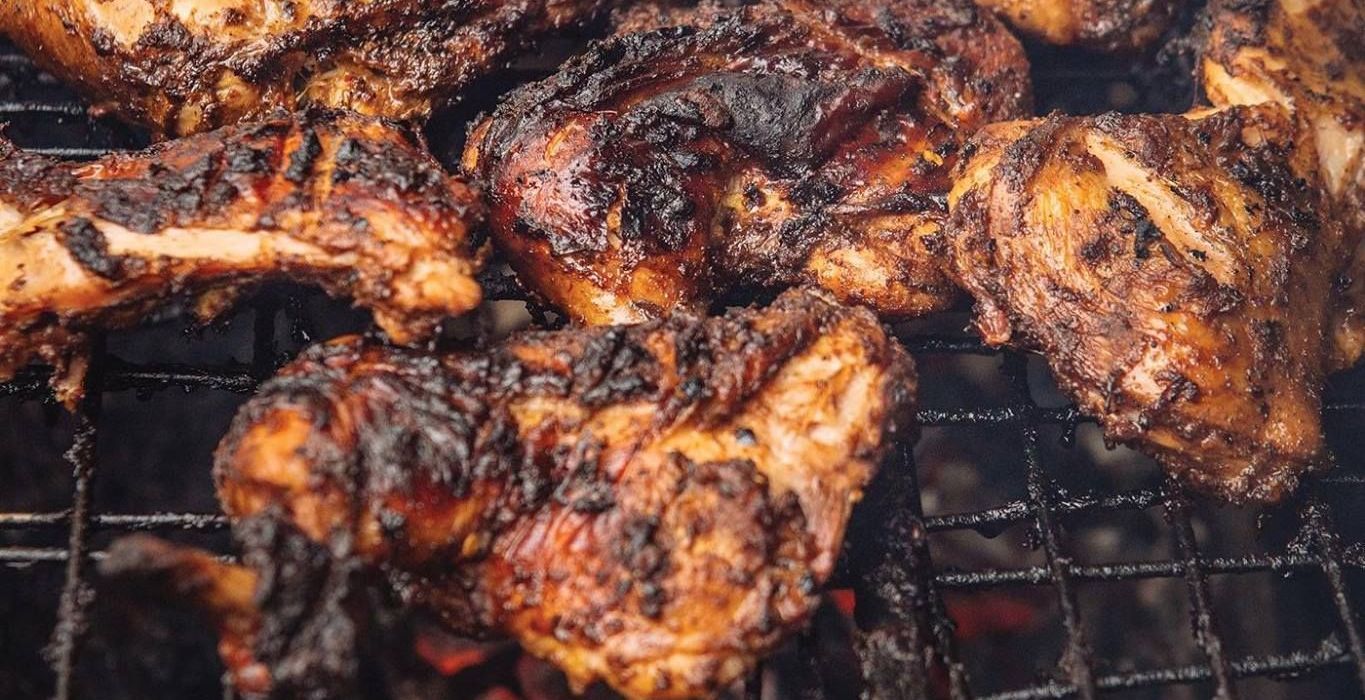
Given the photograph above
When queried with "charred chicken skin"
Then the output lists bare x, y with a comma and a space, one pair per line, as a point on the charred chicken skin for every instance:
1101, 25
29, 182
1175, 272
341, 201
1104, 25
653, 506
189, 66
784, 143
1308, 57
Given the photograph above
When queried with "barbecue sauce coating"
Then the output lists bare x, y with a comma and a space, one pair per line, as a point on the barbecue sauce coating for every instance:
653, 506
187, 67
1308, 57
785, 143
1175, 273
345, 202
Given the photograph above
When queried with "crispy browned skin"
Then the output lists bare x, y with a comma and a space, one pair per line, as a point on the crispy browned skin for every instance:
188, 66
344, 202
1175, 273
1105, 25
1308, 57
29, 182
790, 142
653, 506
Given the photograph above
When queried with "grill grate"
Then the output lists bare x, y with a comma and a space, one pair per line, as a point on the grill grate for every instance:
919, 653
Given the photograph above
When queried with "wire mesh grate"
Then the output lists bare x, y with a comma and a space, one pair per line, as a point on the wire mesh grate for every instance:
915, 650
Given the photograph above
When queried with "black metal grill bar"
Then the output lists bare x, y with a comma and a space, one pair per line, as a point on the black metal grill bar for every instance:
1128, 571
1014, 512
122, 376
26, 556
76, 592
945, 345
72, 152
1076, 658
1299, 663
68, 109
23, 556
1002, 416
1197, 582
1326, 543
190, 522
945, 643
894, 637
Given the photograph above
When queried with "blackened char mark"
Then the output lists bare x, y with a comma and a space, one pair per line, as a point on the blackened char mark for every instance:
791, 123
87, 246
30, 181
302, 159
614, 368
382, 166
1135, 219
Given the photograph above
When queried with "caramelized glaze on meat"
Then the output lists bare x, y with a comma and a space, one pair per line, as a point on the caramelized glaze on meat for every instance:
344, 202
1175, 273
653, 506
1309, 57
191, 65
790, 142
1105, 25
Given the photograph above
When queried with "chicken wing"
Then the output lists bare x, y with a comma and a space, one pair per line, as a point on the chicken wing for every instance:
654, 506
1105, 25
341, 201
1308, 57
789, 142
188, 66
1175, 273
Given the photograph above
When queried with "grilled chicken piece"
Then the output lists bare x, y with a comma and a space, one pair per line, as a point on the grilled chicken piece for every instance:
653, 506
790, 142
1175, 273
1308, 56
1104, 25
340, 201
189, 66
